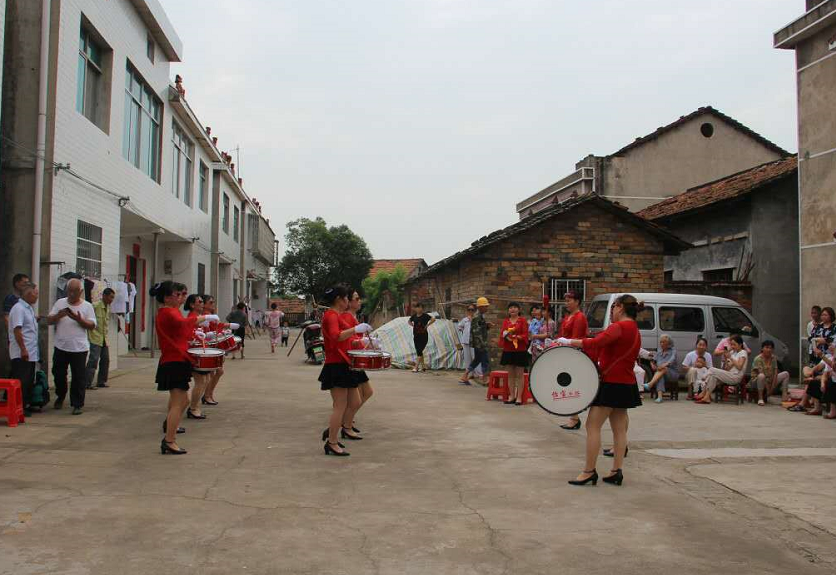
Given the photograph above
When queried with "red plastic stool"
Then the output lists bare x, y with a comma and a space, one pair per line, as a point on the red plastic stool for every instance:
12, 408
526, 394
497, 390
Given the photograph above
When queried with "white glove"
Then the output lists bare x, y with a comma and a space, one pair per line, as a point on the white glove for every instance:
199, 334
362, 328
204, 324
212, 317
234, 326
505, 333
210, 335
564, 341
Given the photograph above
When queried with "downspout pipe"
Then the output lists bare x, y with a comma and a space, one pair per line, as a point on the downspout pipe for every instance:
40, 148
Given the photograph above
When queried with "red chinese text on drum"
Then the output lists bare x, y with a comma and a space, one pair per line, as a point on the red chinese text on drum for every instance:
557, 396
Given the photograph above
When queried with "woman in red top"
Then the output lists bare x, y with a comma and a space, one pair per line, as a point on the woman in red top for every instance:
574, 326
209, 304
617, 347
513, 340
175, 368
336, 376
348, 320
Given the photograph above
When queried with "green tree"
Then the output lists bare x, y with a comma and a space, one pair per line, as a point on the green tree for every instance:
319, 256
385, 282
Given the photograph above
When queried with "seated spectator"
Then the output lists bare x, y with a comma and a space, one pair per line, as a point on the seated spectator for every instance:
689, 365
735, 358
815, 320
665, 370
828, 385
724, 344
700, 374
765, 375
813, 394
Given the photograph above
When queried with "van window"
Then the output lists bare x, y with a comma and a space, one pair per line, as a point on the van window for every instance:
681, 319
645, 319
596, 314
729, 319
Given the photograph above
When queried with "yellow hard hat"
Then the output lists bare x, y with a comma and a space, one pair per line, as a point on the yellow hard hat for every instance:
482, 301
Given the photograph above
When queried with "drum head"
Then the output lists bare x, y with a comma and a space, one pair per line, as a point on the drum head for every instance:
365, 353
206, 352
563, 381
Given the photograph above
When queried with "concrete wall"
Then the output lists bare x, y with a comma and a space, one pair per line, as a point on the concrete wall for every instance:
817, 171
680, 159
586, 243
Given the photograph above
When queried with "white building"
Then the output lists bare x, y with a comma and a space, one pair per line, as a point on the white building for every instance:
139, 190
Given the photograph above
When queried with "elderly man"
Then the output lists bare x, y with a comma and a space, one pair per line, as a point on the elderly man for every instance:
23, 342
99, 351
18, 282
73, 318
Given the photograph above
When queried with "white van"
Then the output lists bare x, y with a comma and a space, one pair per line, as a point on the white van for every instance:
685, 317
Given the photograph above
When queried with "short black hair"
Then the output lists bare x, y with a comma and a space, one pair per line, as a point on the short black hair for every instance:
274, 305
108, 291
190, 301
19, 277
768, 343
736, 337
240, 305
513, 304
816, 308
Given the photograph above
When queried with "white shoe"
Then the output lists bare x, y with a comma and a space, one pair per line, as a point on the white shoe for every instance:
761, 402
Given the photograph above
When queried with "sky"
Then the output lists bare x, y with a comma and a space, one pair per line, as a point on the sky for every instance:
421, 123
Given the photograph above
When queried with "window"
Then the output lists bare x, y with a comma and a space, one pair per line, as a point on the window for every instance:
225, 218
646, 319
201, 278
681, 319
89, 250
91, 99
150, 48
181, 166
668, 276
558, 288
720, 275
733, 320
252, 230
596, 314
203, 182
143, 113
236, 222
707, 129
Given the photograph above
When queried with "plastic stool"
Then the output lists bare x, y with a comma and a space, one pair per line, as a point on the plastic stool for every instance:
526, 394
497, 390
12, 408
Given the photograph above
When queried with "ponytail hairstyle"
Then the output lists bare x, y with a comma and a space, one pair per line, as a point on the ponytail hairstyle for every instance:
162, 290
190, 301
631, 305
338, 291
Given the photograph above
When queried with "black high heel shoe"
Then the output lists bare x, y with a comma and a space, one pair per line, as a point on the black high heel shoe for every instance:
165, 427
615, 479
191, 415
345, 435
577, 425
591, 479
355, 430
331, 451
165, 447
609, 452
325, 438
205, 401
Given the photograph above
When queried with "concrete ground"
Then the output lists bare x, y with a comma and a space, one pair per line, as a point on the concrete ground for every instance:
444, 482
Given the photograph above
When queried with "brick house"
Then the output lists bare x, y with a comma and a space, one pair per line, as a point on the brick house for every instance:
740, 227
588, 244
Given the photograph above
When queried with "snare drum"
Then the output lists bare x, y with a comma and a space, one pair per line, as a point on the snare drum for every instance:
563, 380
206, 360
224, 342
368, 360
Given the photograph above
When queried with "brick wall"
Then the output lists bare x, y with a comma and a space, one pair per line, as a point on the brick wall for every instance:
741, 292
586, 243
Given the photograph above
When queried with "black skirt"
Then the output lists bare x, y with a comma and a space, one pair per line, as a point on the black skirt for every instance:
337, 375
517, 358
174, 375
421, 341
360, 376
814, 389
618, 395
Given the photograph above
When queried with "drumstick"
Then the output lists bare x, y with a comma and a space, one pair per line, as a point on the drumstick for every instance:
295, 342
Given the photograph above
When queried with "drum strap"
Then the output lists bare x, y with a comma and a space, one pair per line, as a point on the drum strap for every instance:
623, 356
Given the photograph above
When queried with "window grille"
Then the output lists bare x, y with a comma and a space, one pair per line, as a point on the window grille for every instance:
89, 250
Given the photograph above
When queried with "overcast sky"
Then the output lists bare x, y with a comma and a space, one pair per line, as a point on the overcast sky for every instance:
420, 123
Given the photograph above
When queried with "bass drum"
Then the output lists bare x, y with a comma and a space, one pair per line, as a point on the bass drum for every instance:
563, 381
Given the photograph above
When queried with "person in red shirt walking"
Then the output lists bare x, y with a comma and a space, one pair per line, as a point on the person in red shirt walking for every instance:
574, 326
336, 376
348, 320
174, 371
617, 347
513, 340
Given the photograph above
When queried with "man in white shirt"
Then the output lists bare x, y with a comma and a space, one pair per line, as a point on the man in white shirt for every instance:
73, 318
23, 342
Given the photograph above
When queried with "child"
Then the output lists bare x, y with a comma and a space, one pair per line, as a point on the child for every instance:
702, 374
420, 323
285, 334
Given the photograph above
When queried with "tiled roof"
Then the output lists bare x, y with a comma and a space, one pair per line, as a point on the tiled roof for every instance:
726, 188
699, 111
671, 241
409, 265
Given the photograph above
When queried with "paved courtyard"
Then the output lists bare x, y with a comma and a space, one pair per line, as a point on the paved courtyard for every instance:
443, 483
